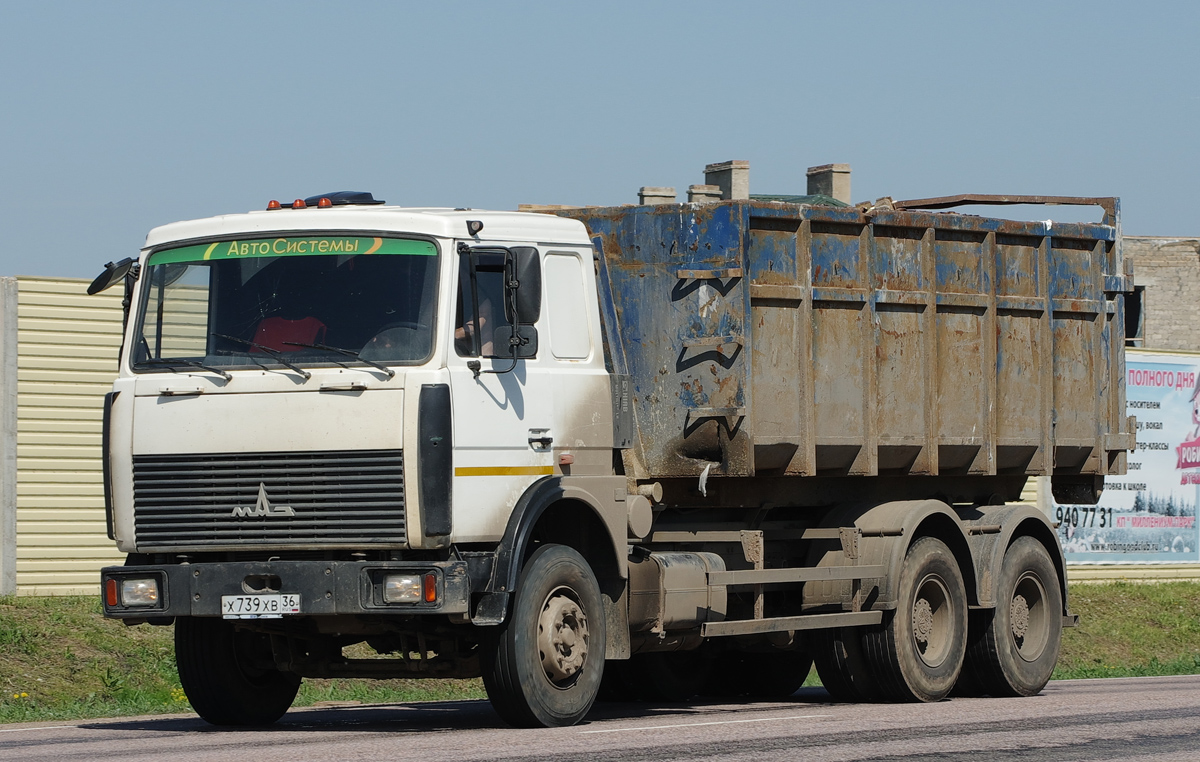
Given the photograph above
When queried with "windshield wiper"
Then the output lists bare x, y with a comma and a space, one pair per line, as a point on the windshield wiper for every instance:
347, 352
187, 363
275, 353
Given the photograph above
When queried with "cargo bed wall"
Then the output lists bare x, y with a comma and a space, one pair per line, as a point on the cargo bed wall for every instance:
772, 339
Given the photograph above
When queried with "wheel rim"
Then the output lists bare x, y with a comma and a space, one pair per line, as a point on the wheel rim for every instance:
1029, 617
562, 637
932, 621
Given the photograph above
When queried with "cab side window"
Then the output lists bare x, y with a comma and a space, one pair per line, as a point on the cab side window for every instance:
570, 337
486, 299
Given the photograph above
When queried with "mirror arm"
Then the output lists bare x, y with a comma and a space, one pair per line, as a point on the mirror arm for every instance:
509, 369
514, 341
127, 300
130, 279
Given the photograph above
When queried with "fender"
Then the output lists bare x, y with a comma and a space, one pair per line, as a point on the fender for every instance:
888, 531
995, 527
588, 490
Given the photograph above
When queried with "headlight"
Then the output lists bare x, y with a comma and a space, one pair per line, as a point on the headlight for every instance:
139, 592
410, 588
402, 588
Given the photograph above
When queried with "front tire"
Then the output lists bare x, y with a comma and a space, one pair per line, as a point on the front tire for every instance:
918, 652
229, 675
1017, 647
544, 665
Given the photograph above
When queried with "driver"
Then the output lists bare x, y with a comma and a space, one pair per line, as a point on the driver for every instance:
464, 333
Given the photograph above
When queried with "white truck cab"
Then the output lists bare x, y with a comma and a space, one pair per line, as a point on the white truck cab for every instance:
260, 340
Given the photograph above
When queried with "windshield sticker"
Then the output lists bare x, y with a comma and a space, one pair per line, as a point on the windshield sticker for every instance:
293, 247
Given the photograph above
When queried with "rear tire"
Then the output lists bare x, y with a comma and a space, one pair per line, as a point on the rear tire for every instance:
545, 663
918, 653
223, 673
1016, 648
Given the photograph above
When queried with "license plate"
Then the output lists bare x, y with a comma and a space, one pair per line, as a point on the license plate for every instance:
259, 606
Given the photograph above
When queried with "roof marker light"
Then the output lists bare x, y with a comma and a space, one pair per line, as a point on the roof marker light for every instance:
273, 204
324, 203
299, 204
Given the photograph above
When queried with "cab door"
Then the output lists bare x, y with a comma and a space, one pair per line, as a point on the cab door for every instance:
502, 408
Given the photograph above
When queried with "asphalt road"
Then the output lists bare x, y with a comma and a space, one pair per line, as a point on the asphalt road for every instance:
1078, 720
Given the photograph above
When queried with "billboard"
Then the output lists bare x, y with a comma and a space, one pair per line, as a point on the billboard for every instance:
1148, 515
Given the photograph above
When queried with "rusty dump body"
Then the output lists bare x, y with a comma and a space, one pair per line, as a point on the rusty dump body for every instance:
783, 340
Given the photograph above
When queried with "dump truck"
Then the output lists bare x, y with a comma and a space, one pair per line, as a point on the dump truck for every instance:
645, 451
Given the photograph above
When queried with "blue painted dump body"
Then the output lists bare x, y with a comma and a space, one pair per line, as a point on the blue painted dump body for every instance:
780, 339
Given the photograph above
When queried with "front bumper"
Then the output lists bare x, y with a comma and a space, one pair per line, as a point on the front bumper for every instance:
326, 588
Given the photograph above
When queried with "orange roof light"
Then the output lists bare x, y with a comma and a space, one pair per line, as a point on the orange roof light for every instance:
273, 204
324, 203
299, 204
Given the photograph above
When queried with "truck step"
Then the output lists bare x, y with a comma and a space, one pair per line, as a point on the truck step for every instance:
809, 574
786, 623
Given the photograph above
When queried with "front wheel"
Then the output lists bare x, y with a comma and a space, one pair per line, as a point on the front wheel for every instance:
544, 664
229, 675
918, 653
1016, 648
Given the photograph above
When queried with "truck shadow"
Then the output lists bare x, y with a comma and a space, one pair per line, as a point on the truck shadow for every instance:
441, 715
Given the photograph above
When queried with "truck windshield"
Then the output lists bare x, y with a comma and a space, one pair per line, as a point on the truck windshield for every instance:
310, 300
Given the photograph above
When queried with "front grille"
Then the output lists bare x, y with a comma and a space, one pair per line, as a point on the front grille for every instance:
275, 499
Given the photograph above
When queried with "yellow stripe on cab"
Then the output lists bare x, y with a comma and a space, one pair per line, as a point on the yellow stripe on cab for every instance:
504, 471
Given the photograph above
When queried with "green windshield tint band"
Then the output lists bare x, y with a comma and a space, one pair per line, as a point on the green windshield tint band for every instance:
293, 247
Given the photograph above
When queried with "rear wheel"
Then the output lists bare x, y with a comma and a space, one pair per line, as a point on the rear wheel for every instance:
918, 652
544, 665
229, 675
1016, 647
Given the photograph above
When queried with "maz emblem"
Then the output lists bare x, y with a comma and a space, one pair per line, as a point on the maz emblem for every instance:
263, 507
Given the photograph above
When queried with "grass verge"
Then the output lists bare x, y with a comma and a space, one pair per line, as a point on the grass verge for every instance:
1132, 630
61, 660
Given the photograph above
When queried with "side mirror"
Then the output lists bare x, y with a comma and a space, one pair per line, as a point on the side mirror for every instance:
525, 341
114, 273
526, 271
127, 270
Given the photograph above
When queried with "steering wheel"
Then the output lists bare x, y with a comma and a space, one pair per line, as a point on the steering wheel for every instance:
409, 324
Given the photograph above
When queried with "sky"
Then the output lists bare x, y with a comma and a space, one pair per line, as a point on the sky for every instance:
118, 117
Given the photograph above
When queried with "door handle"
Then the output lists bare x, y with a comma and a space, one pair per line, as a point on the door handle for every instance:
540, 439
